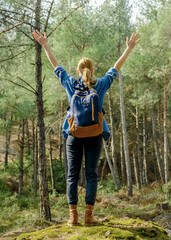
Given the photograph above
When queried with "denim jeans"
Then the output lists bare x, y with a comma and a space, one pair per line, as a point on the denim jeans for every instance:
75, 146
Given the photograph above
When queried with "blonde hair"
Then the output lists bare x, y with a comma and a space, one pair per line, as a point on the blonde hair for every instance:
85, 67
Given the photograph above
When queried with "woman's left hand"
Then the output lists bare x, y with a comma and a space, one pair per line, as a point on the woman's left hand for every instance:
133, 41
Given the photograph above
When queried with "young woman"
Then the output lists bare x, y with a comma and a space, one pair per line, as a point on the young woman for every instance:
91, 144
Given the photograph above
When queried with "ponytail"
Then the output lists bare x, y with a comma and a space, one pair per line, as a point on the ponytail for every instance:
85, 67
86, 76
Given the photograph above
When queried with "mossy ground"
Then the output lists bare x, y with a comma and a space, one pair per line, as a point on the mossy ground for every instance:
110, 228
124, 216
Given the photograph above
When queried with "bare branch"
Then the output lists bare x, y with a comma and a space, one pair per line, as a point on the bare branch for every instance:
35, 92
27, 84
19, 85
26, 34
14, 26
132, 112
75, 9
20, 29
31, 9
15, 45
13, 56
48, 15
78, 47
16, 19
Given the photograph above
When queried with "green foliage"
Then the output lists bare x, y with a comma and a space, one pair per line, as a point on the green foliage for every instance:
59, 176
107, 186
167, 188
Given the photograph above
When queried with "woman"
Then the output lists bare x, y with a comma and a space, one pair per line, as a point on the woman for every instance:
91, 143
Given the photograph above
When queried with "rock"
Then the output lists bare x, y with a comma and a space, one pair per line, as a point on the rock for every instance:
111, 228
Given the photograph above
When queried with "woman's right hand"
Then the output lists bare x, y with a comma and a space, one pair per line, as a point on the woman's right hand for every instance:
42, 40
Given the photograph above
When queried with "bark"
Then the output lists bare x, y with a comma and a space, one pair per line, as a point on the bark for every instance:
103, 168
110, 164
35, 163
7, 140
144, 152
65, 158
28, 138
82, 176
127, 160
123, 168
155, 168
37, 155
140, 165
160, 128
60, 140
60, 131
156, 147
20, 187
112, 141
136, 170
51, 163
43, 184
166, 165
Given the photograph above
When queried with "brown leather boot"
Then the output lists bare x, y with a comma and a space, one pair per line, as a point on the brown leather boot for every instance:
89, 219
73, 221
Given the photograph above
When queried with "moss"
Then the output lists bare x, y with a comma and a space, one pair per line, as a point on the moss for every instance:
111, 228
100, 231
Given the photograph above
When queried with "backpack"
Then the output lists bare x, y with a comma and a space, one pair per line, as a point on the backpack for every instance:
86, 118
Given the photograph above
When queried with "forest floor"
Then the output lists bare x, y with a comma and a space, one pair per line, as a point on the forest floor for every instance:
118, 215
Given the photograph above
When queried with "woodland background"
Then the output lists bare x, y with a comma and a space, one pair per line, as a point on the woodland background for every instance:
33, 103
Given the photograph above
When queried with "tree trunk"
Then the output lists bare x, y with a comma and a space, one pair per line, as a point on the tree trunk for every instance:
51, 163
20, 187
156, 172
156, 147
127, 160
166, 168
7, 140
103, 168
110, 164
140, 165
160, 128
35, 160
82, 175
60, 131
65, 158
43, 184
144, 152
60, 139
115, 168
28, 137
123, 168
136, 170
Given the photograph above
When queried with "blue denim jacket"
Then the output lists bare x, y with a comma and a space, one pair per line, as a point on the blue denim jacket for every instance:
102, 85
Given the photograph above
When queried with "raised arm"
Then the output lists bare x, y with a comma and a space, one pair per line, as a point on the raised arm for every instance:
43, 41
130, 45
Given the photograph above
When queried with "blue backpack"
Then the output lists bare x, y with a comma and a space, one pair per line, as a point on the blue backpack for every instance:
86, 119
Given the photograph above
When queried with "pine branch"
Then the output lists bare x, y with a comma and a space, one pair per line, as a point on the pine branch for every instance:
75, 9
47, 20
